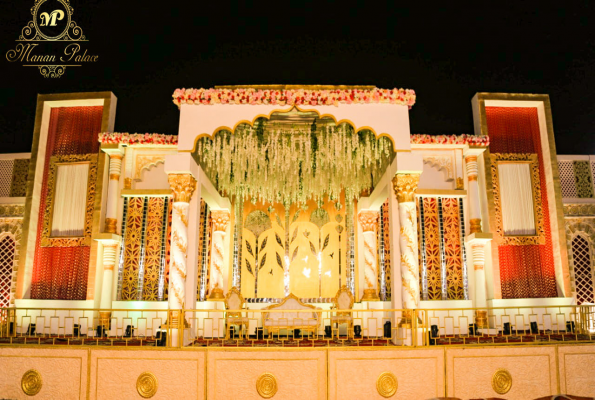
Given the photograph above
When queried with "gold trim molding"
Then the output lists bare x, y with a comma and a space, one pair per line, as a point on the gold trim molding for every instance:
111, 225
387, 384
31, 382
518, 240
220, 220
266, 385
182, 186
146, 385
57, 241
368, 220
405, 186
501, 381
146, 161
586, 210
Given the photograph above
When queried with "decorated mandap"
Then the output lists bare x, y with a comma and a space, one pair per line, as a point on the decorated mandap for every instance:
287, 217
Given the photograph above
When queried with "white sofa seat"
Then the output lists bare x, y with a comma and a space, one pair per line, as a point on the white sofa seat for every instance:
276, 318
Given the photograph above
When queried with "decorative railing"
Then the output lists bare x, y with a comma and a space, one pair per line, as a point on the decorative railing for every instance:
297, 328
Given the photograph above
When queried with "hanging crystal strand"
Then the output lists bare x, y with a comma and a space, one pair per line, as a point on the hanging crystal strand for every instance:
424, 270
286, 275
463, 251
381, 266
141, 263
161, 287
350, 244
123, 246
237, 243
442, 253
202, 283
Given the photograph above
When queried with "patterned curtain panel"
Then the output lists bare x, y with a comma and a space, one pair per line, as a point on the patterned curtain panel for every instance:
61, 272
144, 254
526, 271
443, 272
70, 204
516, 192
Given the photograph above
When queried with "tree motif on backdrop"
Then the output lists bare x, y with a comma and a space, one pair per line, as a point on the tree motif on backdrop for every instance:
257, 222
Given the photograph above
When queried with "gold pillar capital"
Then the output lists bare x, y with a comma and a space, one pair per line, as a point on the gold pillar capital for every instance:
405, 186
369, 220
220, 220
182, 186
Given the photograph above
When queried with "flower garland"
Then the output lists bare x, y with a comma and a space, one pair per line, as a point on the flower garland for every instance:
137, 138
294, 165
253, 96
471, 140
157, 138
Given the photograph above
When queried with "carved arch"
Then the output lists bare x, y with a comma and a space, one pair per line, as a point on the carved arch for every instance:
146, 162
441, 163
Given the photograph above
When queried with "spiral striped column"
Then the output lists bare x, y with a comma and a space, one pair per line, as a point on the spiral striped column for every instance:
405, 186
369, 224
219, 223
182, 186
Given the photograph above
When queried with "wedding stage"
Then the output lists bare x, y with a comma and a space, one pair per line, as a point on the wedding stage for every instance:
296, 241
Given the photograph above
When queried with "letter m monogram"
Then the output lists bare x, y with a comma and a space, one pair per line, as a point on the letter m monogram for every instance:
50, 19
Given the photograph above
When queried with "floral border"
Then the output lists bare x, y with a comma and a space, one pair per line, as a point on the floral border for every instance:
290, 97
471, 140
137, 138
129, 139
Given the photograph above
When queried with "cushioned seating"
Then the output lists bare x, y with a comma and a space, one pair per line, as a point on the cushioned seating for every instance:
278, 319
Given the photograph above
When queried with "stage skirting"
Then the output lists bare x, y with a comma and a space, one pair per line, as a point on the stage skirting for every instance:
354, 373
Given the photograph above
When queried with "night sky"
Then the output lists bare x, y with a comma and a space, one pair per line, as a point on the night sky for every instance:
147, 50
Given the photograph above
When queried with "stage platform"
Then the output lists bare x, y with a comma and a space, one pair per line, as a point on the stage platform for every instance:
525, 371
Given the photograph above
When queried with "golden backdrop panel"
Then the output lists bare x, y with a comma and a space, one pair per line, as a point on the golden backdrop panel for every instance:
330, 256
479, 372
303, 267
63, 373
354, 374
576, 365
248, 264
271, 273
178, 375
298, 249
298, 374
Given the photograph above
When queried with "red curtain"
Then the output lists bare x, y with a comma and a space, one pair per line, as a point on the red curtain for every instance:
61, 272
525, 271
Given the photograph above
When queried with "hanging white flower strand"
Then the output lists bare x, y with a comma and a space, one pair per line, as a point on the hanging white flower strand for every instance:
275, 164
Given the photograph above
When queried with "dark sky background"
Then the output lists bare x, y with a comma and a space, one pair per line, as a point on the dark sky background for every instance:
147, 50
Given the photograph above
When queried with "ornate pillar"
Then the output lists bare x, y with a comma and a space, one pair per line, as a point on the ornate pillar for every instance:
477, 242
109, 238
219, 224
115, 167
473, 192
369, 222
110, 249
182, 186
405, 186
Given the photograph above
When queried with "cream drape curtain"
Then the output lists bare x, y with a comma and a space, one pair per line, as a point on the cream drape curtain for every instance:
516, 194
70, 200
